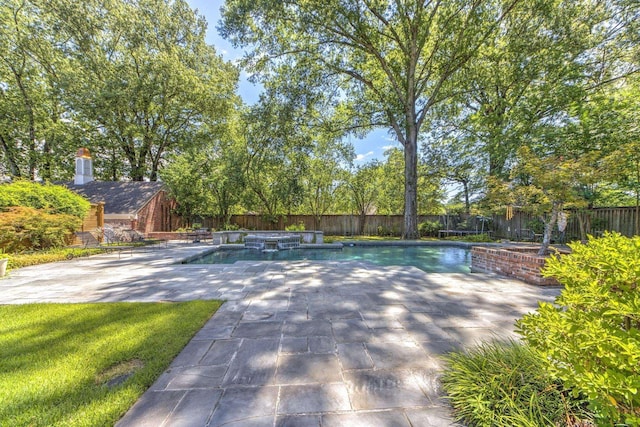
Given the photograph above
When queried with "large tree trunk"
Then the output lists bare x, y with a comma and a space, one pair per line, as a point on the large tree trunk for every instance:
410, 231
467, 202
362, 222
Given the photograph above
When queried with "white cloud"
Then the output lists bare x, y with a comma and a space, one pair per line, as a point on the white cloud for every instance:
361, 157
389, 147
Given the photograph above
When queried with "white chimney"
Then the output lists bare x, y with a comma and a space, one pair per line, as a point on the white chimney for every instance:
84, 167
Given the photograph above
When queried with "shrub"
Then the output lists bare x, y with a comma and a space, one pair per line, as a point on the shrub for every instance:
591, 338
429, 228
536, 225
295, 227
478, 238
383, 231
53, 255
53, 199
24, 228
506, 384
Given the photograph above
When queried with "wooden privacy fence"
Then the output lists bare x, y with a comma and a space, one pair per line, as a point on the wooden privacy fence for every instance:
594, 221
335, 225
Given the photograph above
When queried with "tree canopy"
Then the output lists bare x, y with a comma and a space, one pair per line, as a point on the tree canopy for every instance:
392, 60
471, 91
132, 80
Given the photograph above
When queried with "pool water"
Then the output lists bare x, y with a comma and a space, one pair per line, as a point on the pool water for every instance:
432, 259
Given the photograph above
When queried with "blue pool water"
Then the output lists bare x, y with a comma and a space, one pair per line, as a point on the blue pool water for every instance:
433, 259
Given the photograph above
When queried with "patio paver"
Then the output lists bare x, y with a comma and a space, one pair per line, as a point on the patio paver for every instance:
297, 343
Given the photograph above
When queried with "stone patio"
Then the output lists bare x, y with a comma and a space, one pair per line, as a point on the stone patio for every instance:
297, 343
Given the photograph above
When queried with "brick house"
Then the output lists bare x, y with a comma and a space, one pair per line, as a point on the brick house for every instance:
141, 206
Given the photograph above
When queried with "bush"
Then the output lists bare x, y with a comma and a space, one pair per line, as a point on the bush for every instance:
477, 238
536, 225
429, 228
295, 227
506, 384
383, 231
53, 255
591, 339
24, 228
53, 199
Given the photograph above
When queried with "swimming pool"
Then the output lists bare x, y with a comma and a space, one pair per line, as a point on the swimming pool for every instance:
432, 259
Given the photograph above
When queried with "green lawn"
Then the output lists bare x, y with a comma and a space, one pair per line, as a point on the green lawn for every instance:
362, 238
59, 362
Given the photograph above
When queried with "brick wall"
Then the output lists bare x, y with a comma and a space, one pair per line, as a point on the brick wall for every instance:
519, 262
156, 215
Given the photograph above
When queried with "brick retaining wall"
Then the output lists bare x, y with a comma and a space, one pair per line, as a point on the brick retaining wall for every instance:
520, 262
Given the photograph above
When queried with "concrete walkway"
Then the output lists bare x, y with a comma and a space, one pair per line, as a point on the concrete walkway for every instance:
297, 343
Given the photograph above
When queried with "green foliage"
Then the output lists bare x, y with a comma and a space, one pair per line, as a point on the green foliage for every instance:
19, 260
476, 238
536, 225
591, 337
57, 360
383, 231
53, 199
599, 224
137, 77
429, 228
24, 228
230, 227
273, 219
424, 43
295, 227
506, 384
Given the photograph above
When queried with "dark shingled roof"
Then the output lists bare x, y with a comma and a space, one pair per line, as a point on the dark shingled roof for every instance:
119, 197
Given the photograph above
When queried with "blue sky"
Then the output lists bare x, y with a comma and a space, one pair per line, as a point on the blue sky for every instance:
371, 147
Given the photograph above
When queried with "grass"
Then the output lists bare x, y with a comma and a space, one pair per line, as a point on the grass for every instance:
478, 238
506, 384
86, 364
367, 238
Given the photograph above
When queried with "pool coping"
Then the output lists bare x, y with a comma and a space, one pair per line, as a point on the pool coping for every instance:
340, 245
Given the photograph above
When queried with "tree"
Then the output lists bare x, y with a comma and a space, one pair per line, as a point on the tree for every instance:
275, 157
35, 133
455, 159
145, 80
531, 83
134, 80
364, 187
544, 182
392, 60
527, 76
208, 179
324, 175
623, 160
